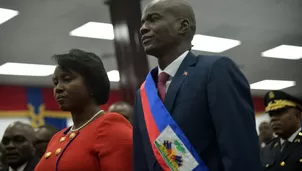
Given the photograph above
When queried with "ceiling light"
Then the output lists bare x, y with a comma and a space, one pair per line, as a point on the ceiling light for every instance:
7, 14
22, 69
213, 44
94, 30
114, 76
284, 52
272, 85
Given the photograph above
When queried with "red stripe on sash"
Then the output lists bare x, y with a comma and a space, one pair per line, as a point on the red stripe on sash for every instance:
152, 129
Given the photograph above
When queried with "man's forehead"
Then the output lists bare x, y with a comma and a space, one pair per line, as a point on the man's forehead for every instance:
265, 123
12, 133
156, 6
17, 129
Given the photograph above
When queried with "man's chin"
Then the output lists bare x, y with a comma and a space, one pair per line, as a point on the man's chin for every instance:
279, 133
13, 161
151, 51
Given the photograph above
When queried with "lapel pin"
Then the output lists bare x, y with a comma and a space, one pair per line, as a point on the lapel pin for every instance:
300, 133
185, 73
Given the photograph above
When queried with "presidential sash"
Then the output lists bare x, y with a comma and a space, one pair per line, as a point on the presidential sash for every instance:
170, 146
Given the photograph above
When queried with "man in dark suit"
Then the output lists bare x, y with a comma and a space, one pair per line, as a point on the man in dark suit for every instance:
18, 141
283, 153
207, 96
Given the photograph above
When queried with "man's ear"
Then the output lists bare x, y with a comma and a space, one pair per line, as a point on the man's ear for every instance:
299, 114
184, 26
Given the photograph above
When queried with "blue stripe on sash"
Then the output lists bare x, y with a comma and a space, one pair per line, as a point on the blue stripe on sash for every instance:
163, 118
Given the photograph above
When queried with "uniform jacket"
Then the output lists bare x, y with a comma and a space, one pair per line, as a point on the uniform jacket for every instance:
290, 159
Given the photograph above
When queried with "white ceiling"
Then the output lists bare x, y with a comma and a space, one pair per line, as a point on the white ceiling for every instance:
41, 30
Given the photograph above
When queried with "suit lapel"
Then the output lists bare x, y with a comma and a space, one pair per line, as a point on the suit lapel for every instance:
183, 71
288, 151
31, 164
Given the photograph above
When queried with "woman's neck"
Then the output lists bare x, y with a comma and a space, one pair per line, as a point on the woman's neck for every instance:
81, 116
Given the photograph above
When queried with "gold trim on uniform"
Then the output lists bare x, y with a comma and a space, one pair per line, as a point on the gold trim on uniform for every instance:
282, 163
47, 155
58, 151
279, 104
62, 139
72, 135
271, 95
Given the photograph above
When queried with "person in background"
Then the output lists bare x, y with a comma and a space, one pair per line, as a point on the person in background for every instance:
122, 108
18, 141
43, 136
192, 112
266, 133
283, 153
95, 142
3, 162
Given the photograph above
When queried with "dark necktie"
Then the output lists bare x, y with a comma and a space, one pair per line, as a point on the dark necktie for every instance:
285, 145
161, 84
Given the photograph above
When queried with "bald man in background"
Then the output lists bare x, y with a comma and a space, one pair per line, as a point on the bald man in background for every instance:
122, 108
266, 133
43, 136
18, 141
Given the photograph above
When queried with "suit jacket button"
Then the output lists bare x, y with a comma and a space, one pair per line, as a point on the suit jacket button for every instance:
282, 163
47, 155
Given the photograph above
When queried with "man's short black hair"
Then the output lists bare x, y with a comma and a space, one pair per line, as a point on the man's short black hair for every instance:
90, 66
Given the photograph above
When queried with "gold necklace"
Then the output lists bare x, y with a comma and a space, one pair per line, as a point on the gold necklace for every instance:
95, 115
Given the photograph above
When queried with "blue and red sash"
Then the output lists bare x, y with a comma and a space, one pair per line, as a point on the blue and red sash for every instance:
157, 120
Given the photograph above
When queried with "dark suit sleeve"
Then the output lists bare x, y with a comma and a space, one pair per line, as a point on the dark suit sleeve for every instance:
232, 112
139, 157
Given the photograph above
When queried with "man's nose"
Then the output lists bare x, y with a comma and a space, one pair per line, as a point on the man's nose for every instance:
144, 29
10, 146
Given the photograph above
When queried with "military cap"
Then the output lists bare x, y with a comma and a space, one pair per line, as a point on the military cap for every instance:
275, 100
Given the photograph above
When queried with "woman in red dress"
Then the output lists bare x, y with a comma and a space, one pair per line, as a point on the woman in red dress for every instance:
96, 141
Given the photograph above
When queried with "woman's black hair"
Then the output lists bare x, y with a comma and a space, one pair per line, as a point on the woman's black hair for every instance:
90, 66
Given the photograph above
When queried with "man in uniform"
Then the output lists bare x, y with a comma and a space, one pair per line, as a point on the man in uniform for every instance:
283, 153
